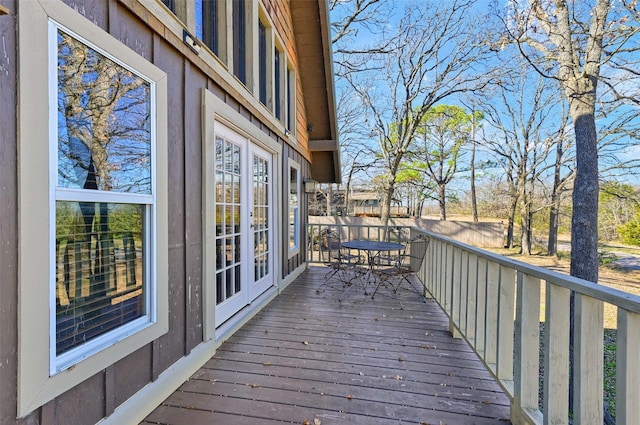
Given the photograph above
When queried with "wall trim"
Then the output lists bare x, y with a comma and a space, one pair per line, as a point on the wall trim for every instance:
145, 401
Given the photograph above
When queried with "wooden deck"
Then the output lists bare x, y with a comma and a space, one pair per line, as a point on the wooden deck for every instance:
309, 359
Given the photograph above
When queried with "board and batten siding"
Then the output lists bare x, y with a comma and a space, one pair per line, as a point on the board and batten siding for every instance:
8, 215
188, 74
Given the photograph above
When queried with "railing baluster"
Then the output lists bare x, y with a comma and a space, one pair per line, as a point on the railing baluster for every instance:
506, 311
556, 355
527, 345
454, 313
588, 360
491, 334
464, 291
481, 306
472, 296
448, 277
627, 368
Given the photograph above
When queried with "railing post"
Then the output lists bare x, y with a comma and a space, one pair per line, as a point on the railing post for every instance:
588, 360
527, 348
556, 355
627, 368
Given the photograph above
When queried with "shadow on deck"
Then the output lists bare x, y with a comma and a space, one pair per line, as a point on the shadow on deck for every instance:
307, 358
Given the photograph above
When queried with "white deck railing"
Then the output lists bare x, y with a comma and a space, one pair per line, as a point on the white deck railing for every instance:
494, 303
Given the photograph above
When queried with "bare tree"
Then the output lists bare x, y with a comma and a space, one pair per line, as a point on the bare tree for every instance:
574, 43
435, 55
524, 139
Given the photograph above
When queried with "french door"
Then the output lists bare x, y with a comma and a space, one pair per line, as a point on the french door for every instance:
243, 182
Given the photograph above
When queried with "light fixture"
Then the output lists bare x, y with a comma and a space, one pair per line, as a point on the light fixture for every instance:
190, 41
310, 186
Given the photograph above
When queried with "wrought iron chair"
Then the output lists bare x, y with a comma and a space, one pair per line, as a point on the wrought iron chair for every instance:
393, 271
343, 264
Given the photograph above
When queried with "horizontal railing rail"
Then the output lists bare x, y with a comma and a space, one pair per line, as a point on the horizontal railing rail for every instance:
494, 303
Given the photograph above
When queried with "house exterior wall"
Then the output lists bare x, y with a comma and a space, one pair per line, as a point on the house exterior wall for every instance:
131, 22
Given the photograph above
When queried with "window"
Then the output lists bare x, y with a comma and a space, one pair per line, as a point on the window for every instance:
171, 4
290, 100
210, 25
239, 14
93, 203
103, 197
278, 61
262, 62
294, 207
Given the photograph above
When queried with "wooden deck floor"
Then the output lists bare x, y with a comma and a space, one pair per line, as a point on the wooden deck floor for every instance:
309, 359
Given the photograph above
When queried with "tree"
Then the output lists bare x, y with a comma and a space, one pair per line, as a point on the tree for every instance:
572, 43
433, 56
523, 140
444, 130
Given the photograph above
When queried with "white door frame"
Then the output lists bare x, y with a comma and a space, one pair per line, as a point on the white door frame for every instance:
216, 112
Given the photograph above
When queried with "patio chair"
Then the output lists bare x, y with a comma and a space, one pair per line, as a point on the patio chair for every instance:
343, 264
393, 271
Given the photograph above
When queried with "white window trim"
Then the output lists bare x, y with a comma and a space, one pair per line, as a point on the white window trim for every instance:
36, 382
296, 248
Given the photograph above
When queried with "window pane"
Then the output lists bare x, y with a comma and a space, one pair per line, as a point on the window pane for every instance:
289, 100
171, 4
239, 40
104, 122
99, 269
207, 22
262, 61
277, 88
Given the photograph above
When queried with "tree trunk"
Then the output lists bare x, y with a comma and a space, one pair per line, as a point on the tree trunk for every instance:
554, 210
442, 201
385, 210
552, 242
525, 226
511, 223
474, 202
584, 220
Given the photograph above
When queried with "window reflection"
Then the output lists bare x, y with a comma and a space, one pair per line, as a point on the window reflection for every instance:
104, 122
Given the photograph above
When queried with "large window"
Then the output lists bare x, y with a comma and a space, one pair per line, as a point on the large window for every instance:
103, 197
294, 207
93, 254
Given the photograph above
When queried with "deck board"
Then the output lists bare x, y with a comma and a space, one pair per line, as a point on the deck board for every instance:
309, 357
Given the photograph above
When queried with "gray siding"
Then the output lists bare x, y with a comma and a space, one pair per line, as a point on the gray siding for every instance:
101, 394
8, 219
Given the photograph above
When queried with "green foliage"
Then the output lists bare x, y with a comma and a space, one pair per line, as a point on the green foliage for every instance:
630, 233
619, 213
